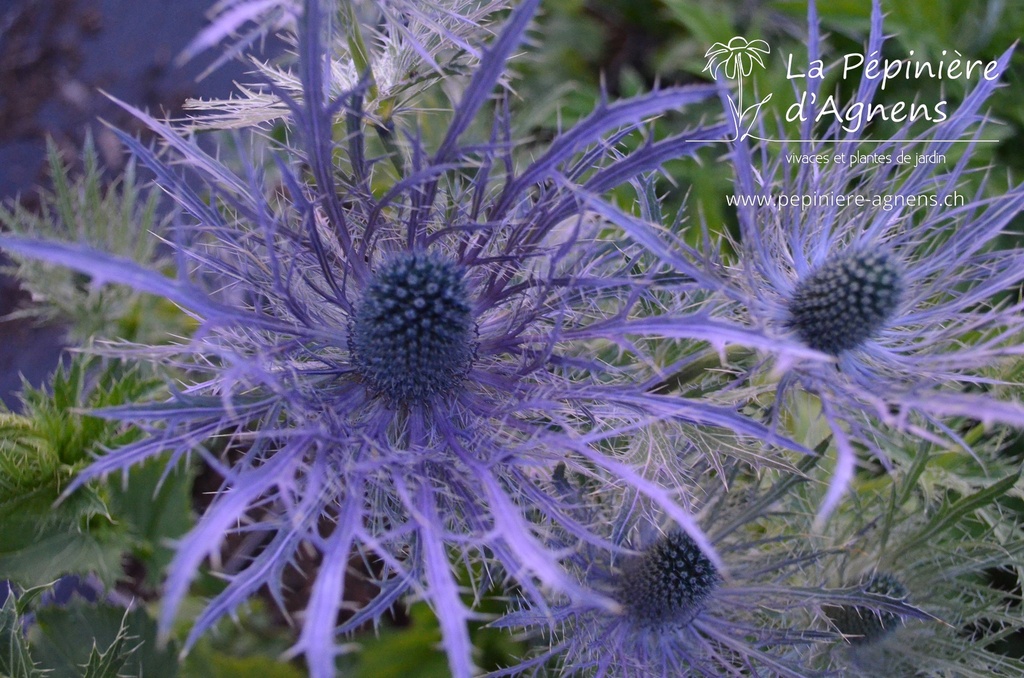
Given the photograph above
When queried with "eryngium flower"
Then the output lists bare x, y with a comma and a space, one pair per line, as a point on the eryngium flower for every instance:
412, 334
668, 584
891, 268
390, 363
845, 301
863, 625
680, 614
955, 556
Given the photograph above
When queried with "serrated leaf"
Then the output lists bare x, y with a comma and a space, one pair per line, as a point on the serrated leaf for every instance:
42, 450
31, 595
15, 658
62, 553
155, 506
34, 511
950, 515
116, 216
108, 663
67, 639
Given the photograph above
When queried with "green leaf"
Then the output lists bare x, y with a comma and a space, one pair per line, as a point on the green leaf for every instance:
225, 666
115, 216
40, 453
155, 507
411, 651
707, 23
15, 660
63, 553
66, 640
30, 596
950, 515
109, 662
913, 475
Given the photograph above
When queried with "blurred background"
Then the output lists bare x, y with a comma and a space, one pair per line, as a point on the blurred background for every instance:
57, 59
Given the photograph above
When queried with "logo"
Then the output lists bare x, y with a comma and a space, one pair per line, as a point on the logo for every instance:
736, 61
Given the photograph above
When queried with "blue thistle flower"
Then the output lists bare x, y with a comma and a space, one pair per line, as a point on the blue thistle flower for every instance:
679, 613
668, 584
898, 546
412, 333
846, 301
392, 364
862, 625
901, 285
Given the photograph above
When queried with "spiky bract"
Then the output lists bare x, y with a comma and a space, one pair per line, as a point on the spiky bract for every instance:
400, 47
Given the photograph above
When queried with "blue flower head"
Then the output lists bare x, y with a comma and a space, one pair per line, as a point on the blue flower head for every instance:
397, 342
901, 546
890, 270
679, 613
668, 584
846, 301
412, 333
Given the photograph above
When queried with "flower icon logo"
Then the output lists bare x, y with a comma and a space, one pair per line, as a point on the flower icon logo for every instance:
736, 60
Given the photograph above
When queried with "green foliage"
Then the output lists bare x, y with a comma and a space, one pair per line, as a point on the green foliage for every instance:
79, 640
221, 665
15, 657
109, 662
117, 217
67, 641
154, 506
410, 651
47, 534
949, 516
251, 644
944, 544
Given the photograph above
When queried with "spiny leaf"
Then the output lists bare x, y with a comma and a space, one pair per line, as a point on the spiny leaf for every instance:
71, 636
109, 662
117, 216
15, 660
64, 552
40, 453
950, 515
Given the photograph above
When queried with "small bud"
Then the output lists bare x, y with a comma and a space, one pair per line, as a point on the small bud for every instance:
862, 625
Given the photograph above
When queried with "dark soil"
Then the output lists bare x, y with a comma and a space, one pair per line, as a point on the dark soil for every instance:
57, 58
